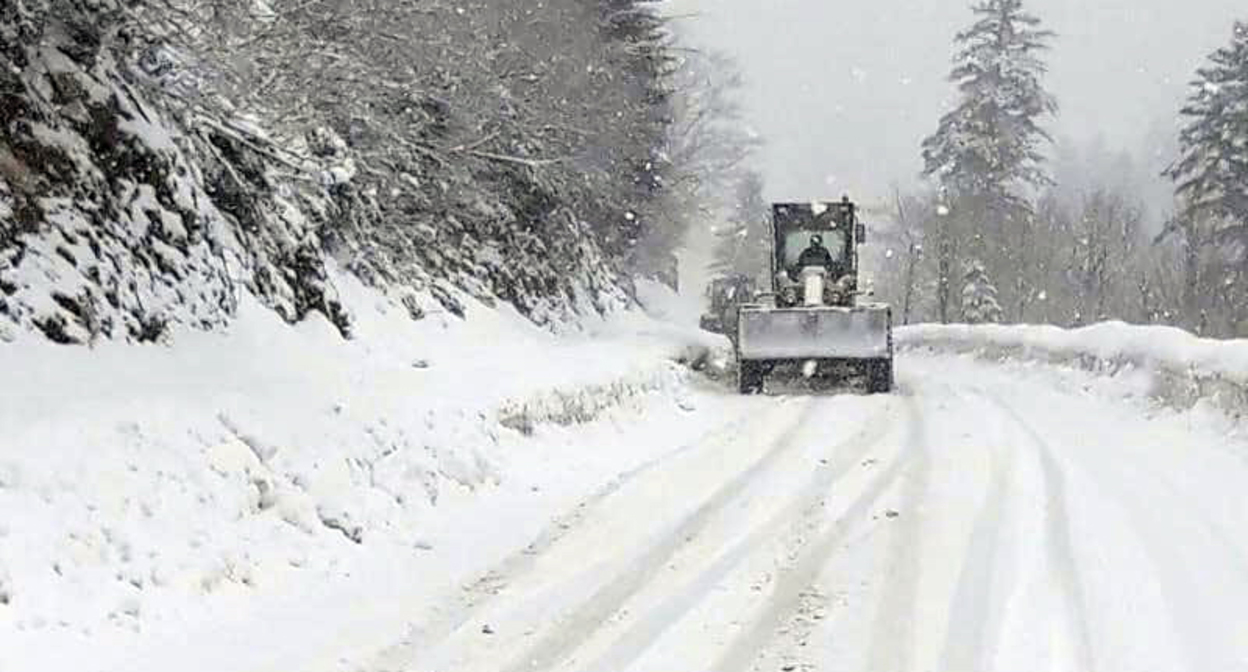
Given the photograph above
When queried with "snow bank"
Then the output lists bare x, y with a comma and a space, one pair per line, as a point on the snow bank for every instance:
151, 492
1185, 370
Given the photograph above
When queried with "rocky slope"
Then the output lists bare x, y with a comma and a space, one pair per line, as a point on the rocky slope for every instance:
146, 179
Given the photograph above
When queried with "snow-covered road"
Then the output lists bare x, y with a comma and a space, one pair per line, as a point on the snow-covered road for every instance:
987, 517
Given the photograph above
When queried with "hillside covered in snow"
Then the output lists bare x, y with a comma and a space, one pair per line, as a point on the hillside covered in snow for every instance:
159, 161
149, 493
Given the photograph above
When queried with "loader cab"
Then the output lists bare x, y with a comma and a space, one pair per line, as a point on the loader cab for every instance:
795, 226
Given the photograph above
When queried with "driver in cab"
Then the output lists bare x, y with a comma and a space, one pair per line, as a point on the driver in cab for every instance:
815, 255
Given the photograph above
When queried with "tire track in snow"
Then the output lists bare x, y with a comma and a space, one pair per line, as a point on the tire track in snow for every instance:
569, 631
892, 631
786, 597
1193, 639
1174, 579
801, 517
1060, 545
468, 601
974, 622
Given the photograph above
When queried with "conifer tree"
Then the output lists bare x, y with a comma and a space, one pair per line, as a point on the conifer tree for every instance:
979, 296
1212, 171
986, 154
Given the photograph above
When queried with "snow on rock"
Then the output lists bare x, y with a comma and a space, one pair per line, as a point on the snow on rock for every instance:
1184, 370
116, 224
160, 489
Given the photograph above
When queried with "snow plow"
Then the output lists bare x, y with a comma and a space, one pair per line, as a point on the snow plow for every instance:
812, 324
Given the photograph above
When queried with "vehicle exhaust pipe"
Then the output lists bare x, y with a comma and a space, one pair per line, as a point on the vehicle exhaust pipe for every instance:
812, 280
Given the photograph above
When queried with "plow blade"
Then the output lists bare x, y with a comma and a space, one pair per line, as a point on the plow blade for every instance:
863, 332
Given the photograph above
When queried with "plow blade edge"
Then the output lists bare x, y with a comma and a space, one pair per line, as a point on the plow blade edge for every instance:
815, 333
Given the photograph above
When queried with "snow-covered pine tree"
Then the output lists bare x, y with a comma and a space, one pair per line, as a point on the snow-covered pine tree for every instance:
1212, 171
742, 244
979, 296
637, 46
986, 152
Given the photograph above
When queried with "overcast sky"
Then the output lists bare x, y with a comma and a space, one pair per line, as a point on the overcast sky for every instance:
845, 90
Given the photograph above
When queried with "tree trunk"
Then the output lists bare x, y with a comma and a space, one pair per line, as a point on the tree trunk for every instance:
911, 263
1191, 275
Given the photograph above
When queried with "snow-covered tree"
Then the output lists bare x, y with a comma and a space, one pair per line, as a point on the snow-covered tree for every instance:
986, 153
706, 148
896, 256
506, 151
979, 296
741, 246
635, 41
1104, 240
524, 123
1212, 175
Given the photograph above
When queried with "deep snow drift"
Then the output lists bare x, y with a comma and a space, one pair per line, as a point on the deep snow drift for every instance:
1177, 368
1110, 341
257, 480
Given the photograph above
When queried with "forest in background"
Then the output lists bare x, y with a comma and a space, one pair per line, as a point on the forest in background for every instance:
1011, 225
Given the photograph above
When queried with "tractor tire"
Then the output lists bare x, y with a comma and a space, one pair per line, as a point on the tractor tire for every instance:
750, 377
880, 376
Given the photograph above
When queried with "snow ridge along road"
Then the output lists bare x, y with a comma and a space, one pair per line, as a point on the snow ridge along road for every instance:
986, 517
